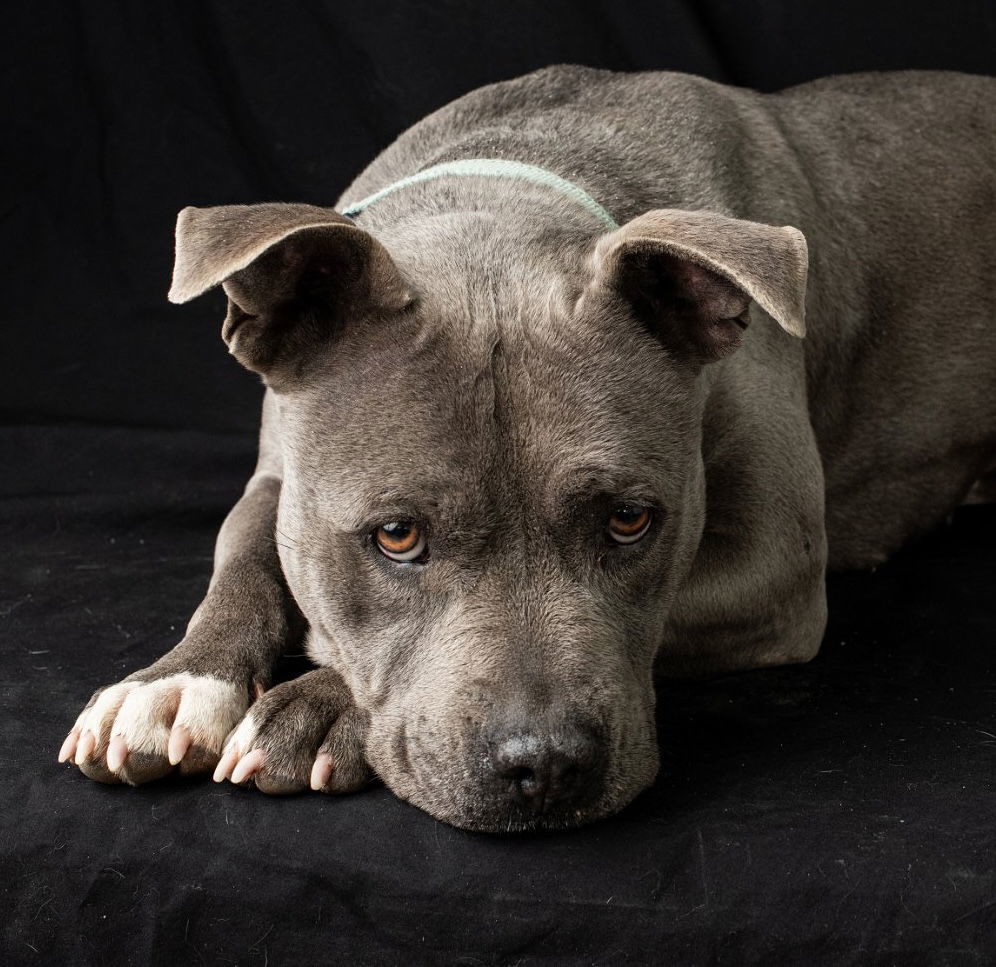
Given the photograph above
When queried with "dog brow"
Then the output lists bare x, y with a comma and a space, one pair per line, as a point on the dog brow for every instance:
588, 480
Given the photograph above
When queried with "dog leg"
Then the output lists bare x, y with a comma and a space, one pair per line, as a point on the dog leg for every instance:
306, 732
746, 608
756, 593
179, 711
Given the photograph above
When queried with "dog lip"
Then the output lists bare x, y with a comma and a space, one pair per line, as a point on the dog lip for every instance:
523, 821
492, 810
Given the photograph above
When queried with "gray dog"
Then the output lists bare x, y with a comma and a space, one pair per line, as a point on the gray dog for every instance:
539, 422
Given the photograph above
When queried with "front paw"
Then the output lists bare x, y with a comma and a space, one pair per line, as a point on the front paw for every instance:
138, 731
304, 733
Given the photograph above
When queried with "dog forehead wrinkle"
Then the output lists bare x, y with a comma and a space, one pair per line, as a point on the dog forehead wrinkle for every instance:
577, 426
404, 401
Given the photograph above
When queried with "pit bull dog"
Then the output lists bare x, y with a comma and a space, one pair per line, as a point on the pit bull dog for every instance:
539, 421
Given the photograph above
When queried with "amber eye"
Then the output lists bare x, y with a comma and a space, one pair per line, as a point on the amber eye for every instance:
629, 522
400, 540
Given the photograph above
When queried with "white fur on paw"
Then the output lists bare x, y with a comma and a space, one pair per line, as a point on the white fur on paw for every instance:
143, 715
95, 723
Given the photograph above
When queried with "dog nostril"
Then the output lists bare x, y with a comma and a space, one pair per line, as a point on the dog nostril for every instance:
528, 786
523, 777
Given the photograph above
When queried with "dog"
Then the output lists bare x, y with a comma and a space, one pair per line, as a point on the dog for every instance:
540, 424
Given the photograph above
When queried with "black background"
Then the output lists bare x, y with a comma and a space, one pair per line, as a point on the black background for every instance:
841, 812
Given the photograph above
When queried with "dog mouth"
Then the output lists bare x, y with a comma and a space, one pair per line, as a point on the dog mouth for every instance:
475, 811
518, 819
515, 788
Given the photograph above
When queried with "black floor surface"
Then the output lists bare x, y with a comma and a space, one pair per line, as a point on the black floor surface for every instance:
840, 812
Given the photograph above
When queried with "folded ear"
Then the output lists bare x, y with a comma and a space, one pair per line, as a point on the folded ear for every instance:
691, 276
292, 273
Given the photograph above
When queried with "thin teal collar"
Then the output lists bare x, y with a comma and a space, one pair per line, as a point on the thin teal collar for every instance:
492, 168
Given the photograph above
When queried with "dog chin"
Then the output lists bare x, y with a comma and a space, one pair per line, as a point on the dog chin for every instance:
522, 821
445, 794
481, 817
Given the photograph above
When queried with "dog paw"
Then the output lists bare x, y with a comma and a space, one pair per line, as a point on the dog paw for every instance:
138, 731
306, 733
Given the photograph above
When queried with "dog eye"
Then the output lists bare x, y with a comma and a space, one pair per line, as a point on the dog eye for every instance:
401, 540
629, 522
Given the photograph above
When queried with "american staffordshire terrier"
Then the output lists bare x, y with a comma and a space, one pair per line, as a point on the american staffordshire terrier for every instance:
539, 420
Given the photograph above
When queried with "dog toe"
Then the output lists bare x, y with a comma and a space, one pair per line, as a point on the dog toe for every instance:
341, 764
137, 732
270, 745
94, 729
301, 734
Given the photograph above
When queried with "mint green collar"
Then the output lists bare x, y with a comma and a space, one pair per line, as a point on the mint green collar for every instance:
492, 168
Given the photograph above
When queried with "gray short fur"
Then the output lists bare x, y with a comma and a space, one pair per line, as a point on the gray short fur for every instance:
481, 355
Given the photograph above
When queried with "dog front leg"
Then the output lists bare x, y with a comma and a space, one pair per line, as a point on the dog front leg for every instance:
746, 607
756, 592
179, 710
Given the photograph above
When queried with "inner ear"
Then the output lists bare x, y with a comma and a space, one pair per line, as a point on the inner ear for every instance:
315, 269
293, 274
692, 276
689, 307
296, 296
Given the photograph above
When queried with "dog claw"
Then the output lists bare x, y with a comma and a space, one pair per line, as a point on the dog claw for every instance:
179, 743
259, 688
138, 731
247, 766
117, 752
87, 743
226, 763
321, 771
68, 749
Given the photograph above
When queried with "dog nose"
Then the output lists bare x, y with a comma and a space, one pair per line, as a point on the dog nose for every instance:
541, 772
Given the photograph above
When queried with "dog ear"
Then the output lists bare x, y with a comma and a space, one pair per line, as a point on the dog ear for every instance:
292, 274
691, 276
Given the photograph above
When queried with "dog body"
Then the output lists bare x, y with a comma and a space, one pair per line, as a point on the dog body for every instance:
512, 461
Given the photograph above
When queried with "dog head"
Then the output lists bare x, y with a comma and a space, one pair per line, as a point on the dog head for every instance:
492, 484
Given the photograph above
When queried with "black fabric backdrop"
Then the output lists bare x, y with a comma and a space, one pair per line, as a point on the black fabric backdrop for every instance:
841, 812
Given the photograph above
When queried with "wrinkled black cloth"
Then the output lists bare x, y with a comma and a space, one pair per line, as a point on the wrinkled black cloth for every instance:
835, 813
